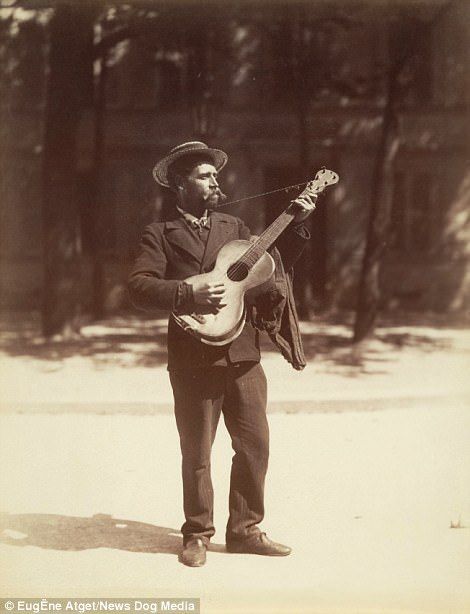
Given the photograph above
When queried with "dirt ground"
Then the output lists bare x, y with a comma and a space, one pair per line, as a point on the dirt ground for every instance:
368, 480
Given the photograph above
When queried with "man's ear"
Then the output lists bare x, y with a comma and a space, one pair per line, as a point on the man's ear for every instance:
176, 189
178, 180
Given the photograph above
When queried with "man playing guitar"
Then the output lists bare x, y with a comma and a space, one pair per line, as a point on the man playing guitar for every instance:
210, 379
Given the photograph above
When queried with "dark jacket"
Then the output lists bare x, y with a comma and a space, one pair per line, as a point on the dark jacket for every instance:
275, 312
169, 253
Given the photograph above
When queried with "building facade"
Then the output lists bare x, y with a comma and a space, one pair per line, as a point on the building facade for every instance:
285, 89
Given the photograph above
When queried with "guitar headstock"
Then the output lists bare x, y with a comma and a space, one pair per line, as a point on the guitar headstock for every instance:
323, 179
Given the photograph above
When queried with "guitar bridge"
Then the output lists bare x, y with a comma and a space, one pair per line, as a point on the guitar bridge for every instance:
198, 317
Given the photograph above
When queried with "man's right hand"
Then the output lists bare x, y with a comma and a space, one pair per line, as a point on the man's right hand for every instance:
208, 293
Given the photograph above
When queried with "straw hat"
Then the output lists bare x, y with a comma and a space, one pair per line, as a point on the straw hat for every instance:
160, 170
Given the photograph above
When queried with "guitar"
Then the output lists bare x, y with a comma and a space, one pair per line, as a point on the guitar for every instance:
242, 265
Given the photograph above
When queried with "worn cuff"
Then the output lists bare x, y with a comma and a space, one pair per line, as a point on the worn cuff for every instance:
184, 300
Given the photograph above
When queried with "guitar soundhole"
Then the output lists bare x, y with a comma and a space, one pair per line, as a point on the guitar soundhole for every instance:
237, 271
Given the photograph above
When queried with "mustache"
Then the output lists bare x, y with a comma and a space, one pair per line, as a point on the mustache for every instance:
221, 196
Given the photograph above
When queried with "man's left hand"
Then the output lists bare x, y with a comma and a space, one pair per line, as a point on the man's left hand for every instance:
304, 205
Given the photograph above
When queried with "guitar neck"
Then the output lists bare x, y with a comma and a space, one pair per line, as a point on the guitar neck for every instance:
323, 178
267, 238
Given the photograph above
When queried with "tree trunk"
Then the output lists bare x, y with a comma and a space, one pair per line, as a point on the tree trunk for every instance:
69, 89
299, 64
379, 219
98, 256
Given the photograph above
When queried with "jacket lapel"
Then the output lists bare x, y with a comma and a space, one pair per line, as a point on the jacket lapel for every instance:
222, 230
183, 238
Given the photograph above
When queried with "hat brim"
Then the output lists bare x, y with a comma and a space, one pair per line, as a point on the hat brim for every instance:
160, 170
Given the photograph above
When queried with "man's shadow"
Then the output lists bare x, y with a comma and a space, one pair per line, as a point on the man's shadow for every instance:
55, 532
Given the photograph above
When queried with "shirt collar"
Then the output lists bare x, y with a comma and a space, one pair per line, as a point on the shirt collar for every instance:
193, 221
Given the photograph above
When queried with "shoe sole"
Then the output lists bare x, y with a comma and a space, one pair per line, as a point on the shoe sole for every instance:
258, 553
188, 564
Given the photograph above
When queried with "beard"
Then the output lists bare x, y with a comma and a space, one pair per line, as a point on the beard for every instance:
214, 199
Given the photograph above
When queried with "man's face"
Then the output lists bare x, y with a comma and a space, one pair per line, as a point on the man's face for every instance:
200, 189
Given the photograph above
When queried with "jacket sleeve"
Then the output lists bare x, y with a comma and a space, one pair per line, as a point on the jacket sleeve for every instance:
291, 244
147, 285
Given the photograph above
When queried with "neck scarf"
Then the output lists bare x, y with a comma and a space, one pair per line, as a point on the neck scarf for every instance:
193, 221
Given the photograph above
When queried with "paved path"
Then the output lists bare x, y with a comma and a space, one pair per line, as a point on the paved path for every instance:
369, 469
120, 366
366, 500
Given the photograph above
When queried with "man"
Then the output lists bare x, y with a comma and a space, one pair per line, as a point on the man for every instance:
209, 380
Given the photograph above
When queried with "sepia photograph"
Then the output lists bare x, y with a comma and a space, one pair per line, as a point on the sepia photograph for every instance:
235, 306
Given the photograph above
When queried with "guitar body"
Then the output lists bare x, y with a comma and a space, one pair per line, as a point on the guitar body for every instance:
222, 327
241, 266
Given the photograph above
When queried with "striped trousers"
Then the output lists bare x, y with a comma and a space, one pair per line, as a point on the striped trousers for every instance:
201, 395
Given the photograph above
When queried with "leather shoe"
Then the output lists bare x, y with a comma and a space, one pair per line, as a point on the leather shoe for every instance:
260, 544
194, 553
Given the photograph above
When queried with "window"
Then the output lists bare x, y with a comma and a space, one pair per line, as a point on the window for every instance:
415, 216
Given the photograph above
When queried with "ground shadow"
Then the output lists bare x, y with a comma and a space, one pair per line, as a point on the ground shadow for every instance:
366, 358
330, 340
56, 532
135, 341
128, 341
423, 342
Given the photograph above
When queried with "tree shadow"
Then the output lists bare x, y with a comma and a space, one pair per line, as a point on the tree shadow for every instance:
127, 340
373, 355
136, 341
56, 532
337, 352
423, 342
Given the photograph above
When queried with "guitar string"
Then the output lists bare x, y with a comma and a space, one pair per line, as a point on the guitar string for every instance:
284, 189
244, 260
239, 200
